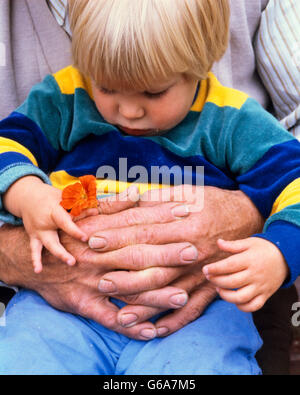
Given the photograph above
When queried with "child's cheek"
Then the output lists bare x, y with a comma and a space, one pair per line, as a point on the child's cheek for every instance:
172, 115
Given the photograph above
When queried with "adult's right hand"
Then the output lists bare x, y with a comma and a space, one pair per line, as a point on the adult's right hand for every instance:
75, 289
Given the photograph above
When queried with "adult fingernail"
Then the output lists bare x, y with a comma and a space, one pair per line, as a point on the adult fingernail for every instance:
179, 300
163, 331
107, 286
189, 254
148, 333
180, 211
97, 242
128, 320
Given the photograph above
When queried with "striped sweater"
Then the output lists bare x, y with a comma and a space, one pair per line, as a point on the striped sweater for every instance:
58, 135
278, 59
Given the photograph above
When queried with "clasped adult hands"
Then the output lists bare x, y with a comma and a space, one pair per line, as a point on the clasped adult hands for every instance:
171, 275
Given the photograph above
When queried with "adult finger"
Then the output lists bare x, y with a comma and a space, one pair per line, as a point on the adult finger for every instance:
119, 202
123, 229
130, 316
146, 305
139, 257
182, 193
198, 302
106, 314
128, 283
165, 298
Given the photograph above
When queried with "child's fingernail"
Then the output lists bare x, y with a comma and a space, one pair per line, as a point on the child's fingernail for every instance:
84, 239
71, 262
205, 271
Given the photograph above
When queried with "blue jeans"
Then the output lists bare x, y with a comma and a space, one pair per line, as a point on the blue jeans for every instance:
39, 339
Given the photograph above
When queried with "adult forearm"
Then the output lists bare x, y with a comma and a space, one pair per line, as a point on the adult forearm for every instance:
243, 218
14, 248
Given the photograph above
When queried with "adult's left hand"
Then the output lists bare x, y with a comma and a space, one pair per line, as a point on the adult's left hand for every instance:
201, 222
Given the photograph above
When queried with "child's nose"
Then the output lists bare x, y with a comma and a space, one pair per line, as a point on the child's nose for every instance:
131, 110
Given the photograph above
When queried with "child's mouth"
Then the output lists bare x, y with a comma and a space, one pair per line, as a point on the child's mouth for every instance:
138, 132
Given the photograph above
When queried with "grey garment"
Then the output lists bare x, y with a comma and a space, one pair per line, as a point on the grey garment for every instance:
36, 45
237, 69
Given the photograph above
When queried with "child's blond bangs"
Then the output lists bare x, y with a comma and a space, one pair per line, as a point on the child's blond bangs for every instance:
131, 44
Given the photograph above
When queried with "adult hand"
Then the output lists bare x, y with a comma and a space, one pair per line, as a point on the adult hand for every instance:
226, 214
75, 289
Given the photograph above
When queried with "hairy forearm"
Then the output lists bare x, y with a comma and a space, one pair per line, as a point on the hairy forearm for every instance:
14, 248
244, 219
229, 215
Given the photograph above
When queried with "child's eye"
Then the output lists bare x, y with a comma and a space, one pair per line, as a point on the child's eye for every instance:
156, 95
106, 91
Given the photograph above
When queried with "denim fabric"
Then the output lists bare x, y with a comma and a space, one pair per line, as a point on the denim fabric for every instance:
38, 339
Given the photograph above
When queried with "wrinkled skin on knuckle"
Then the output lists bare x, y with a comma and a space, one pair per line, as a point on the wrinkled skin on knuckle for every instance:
133, 217
147, 235
131, 299
109, 321
160, 277
196, 229
182, 321
136, 256
208, 293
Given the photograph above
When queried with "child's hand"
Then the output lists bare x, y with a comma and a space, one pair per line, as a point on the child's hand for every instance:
256, 271
42, 215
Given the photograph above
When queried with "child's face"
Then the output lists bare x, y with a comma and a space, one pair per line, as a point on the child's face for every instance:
147, 113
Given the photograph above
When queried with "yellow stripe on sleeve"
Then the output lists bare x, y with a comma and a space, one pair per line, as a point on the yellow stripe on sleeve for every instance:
7, 145
289, 197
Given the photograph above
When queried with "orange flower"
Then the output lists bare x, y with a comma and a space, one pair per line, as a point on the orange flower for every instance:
80, 196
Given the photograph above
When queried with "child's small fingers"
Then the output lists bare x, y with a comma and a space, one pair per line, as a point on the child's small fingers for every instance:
36, 254
51, 242
234, 281
241, 296
254, 305
234, 247
230, 265
64, 221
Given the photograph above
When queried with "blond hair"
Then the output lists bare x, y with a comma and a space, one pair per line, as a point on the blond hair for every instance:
133, 43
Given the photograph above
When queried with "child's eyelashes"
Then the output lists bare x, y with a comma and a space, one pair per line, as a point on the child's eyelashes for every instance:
156, 95
106, 91
150, 95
